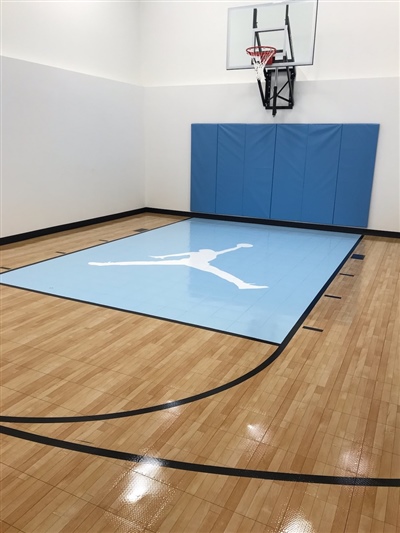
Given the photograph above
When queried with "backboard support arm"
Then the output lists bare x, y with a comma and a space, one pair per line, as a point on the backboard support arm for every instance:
277, 93
278, 90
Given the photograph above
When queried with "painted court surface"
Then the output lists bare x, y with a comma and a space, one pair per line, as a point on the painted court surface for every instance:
246, 279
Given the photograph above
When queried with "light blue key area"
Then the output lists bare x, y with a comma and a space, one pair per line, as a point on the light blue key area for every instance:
247, 279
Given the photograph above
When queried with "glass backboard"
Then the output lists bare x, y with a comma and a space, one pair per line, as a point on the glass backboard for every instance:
289, 26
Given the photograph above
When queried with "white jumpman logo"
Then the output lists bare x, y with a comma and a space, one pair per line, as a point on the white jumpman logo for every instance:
199, 260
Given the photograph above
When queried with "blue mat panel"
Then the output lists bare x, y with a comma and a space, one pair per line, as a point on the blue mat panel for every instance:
230, 169
258, 170
316, 173
246, 279
356, 172
290, 161
321, 171
204, 168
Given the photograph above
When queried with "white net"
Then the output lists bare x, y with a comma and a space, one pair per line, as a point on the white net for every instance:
261, 56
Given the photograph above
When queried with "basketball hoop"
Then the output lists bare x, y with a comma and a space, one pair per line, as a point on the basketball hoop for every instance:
261, 56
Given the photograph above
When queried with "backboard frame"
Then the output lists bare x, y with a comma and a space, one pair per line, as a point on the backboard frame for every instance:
244, 30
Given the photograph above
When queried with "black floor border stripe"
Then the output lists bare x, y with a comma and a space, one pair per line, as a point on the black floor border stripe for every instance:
72, 226
202, 468
196, 397
313, 329
188, 214
102, 243
333, 296
150, 409
129, 311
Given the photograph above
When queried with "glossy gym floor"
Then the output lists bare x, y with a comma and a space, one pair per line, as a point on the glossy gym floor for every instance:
114, 421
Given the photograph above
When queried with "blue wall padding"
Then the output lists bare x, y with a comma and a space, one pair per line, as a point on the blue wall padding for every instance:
290, 159
258, 170
321, 172
204, 168
355, 176
317, 173
230, 168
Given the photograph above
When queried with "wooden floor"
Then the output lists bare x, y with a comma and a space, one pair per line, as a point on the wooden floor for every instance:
309, 443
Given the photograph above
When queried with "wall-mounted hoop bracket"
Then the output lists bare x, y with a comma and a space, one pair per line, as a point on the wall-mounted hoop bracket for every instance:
278, 90
275, 66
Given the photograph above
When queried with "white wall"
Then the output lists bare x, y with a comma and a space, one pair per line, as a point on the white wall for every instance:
97, 81
72, 122
97, 38
72, 147
356, 39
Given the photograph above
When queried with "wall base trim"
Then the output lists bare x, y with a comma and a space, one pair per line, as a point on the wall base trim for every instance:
268, 222
72, 225
285, 223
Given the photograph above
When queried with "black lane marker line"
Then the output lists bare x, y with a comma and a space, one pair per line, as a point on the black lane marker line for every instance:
358, 256
200, 396
313, 329
348, 275
93, 246
150, 409
129, 311
333, 296
205, 469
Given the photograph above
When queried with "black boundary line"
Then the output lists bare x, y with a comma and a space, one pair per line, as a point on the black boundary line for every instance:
333, 296
128, 311
313, 329
213, 216
189, 214
283, 223
71, 226
152, 408
78, 251
196, 397
202, 468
